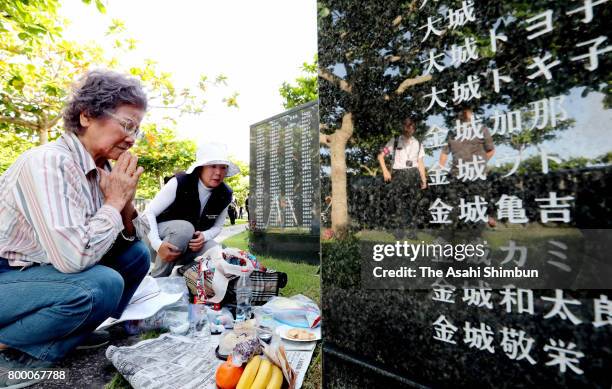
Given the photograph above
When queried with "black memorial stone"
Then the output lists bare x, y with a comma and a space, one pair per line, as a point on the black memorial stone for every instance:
284, 183
537, 192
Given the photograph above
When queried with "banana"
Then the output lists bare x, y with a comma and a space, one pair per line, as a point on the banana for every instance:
249, 373
263, 375
276, 379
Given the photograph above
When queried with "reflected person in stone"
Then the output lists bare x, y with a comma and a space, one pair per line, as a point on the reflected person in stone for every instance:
189, 211
471, 146
408, 173
474, 142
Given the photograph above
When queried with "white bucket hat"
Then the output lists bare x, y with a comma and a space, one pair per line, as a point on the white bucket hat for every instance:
214, 154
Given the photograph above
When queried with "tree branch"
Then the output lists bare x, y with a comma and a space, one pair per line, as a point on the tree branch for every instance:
370, 171
324, 139
407, 83
346, 130
53, 122
19, 122
342, 84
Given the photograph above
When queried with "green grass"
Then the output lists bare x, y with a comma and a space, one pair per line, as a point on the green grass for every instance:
238, 221
302, 278
118, 382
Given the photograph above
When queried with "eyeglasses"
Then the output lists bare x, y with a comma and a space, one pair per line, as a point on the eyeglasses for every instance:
129, 126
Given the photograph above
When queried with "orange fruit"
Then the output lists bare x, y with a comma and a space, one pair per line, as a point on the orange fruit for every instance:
228, 375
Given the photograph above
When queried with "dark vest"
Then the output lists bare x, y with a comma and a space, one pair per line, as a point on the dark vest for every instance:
186, 205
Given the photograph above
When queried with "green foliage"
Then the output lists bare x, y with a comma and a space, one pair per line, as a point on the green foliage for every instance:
231, 101
33, 92
38, 66
240, 182
342, 262
11, 146
161, 155
30, 20
305, 88
153, 334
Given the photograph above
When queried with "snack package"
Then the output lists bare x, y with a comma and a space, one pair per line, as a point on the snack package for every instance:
296, 311
275, 352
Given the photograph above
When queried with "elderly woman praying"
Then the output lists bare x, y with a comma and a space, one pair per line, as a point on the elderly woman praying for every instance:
70, 253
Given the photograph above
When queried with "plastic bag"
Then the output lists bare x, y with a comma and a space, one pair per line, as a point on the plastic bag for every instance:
220, 320
176, 315
296, 311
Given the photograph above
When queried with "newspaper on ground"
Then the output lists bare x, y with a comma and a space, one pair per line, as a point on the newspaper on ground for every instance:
173, 362
148, 299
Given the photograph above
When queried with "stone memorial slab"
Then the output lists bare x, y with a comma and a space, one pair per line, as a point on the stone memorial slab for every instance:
284, 181
510, 156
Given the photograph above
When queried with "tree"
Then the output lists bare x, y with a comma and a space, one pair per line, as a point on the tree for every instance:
305, 88
33, 92
240, 182
161, 155
11, 146
36, 65
36, 74
373, 60
33, 19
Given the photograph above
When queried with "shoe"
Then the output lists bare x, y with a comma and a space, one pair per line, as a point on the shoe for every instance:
14, 360
94, 340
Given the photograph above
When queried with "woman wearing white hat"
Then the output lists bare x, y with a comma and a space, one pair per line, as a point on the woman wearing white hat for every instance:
189, 211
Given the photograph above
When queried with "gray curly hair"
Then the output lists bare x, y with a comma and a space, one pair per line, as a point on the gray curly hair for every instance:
99, 91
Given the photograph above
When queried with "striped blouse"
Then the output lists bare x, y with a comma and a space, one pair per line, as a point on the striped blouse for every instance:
52, 212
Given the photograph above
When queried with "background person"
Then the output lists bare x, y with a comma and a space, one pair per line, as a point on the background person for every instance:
62, 207
189, 211
232, 213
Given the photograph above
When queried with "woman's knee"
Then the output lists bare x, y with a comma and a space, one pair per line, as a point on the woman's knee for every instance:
179, 233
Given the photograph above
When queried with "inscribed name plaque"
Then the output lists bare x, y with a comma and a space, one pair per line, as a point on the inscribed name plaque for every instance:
484, 252
284, 180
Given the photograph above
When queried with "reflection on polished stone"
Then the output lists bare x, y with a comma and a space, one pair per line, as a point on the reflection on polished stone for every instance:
463, 122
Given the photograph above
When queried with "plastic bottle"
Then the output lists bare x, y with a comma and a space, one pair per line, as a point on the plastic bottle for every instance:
243, 296
199, 327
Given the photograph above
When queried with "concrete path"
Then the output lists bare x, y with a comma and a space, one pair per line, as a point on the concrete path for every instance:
230, 231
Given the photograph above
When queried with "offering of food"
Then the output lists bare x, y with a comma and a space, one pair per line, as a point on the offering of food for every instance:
300, 334
228, 375
260, 373
230, 339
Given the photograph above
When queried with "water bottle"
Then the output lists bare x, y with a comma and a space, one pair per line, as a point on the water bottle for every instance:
199, 328
243, 296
